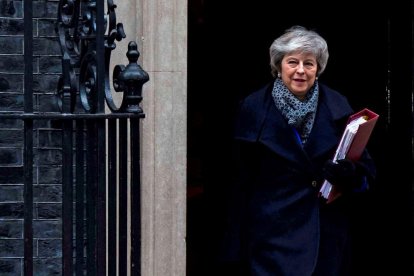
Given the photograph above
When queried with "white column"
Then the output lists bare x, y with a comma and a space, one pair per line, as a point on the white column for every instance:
162, 29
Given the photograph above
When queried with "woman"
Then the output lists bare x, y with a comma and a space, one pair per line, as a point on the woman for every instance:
286, 135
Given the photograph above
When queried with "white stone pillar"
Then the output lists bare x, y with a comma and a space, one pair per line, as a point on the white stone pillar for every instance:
162, 27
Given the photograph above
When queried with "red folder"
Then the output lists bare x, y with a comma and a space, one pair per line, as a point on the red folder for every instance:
364, 132
354, 152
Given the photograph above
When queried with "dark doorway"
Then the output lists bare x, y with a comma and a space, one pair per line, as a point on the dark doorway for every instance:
371, 57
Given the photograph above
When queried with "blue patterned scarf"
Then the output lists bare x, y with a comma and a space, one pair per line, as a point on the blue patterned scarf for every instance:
299, 114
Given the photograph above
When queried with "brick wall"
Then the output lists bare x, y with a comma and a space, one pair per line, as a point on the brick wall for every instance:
47, 171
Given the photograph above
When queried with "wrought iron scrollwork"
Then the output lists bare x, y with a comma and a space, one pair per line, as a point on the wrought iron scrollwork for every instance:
87, 82
76, 27
68, 14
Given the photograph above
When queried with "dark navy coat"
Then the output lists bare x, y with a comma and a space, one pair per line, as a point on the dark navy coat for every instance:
277, 223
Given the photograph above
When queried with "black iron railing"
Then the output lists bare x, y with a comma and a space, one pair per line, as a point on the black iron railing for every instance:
98, 166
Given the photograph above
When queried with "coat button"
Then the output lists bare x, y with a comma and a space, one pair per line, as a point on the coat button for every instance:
314, 183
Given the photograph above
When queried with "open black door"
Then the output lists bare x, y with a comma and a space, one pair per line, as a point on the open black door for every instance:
371, 62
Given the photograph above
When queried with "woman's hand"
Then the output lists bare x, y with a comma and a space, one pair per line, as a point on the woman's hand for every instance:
344, 173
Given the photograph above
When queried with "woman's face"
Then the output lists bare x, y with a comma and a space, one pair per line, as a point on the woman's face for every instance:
298, 73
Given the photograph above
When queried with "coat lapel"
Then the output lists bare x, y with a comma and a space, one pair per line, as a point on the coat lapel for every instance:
331, 116
278, 136
324, 135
